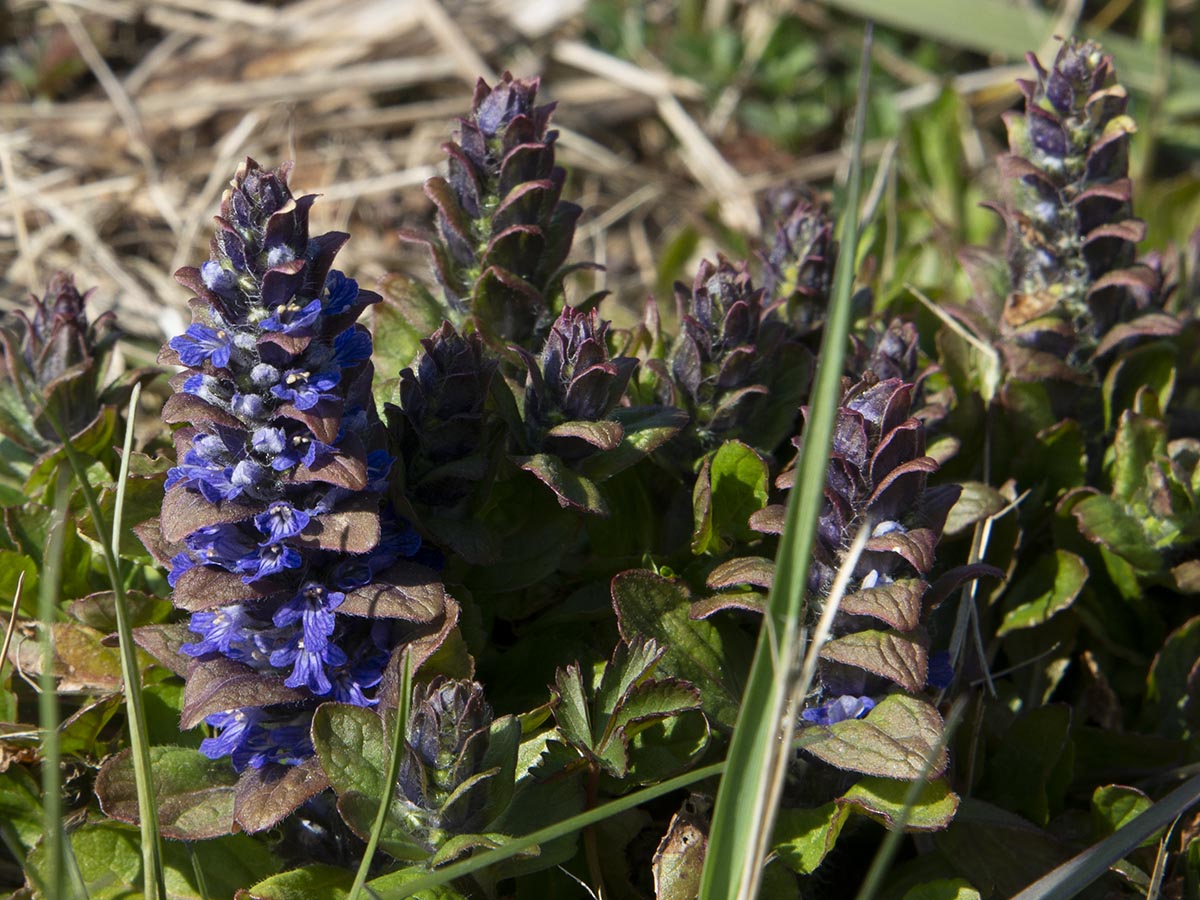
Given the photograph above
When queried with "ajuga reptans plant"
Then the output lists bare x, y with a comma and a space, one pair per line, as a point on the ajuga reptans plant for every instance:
298, 577
503, 233
1071, 231
56, 365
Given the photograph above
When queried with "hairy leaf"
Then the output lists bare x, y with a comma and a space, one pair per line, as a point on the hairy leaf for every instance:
897, 739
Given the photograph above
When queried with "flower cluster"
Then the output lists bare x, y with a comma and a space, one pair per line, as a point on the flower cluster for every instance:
55, 364
876, 479
575, 381
1071, 233
272, 516
726, 357
503, 231
798, 267
454, 776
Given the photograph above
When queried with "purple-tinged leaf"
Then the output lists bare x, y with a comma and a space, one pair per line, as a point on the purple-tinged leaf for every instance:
898, 603
193, 794
266, 796
405, 591
756, 570
900, 658
203, 587
605, 434
745, 601
219, 684
572, 490
185, 511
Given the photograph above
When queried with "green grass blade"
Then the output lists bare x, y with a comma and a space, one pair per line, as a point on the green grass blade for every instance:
748, 795
52, 805
999, 26
1081, 870
138, 741
152, 868
393, 772
542, 835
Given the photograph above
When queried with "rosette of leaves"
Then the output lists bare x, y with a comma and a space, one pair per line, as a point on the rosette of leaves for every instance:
1147, 526
1071, 232
503, 231
457, 770
626, 724
731, 366
299, 580
56, 364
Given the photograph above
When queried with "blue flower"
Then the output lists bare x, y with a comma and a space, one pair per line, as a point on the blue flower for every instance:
305, 389
219, 545
308, 663
290, 317
207, 388
215, 483
264, 375
254, 737
940, 672
225, 630
342, 292
351, 347
249, 406
219, 280
361, 673
839, 710
180, 563
235, 725
267, 561
200, 343
281, 521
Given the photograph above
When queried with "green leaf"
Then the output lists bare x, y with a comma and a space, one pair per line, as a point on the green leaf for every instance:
1050, 586
943, 889
407, 314
110, 861
631, 664
195, 794
731, 486
667, 747
883, 800
572, 489
351, 745
571, 712
804, 837
1149, 365
1001, 852
976, 502
1029, 769
143, 500
1114, 806
1172, 707
679, 860
650, 605
313, 882
396, 881
1059, 457
1139, 441
1106, 522
20, 805
12, 564
896, 739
